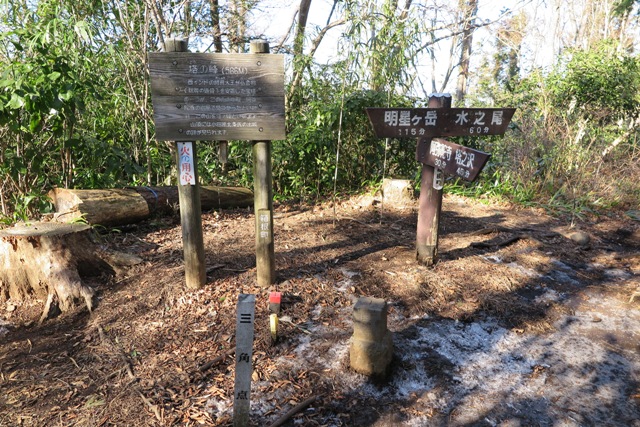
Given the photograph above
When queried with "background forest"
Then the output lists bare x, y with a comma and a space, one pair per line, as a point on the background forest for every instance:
75, 108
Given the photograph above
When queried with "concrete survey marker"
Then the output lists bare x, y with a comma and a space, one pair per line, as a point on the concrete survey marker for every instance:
244, 353
371, 348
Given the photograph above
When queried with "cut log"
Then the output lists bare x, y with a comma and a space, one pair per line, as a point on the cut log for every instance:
104, 207
112, 207
164, 199
49, 260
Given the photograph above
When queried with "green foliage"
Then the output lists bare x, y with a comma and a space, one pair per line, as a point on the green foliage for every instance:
573, 143
75, 110
325, 129
61, 116
601, 82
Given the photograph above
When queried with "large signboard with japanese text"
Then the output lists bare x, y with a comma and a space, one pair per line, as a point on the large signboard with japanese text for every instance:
432, 122
213, 96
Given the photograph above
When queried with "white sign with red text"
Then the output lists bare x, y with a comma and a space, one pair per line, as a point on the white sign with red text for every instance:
185, 163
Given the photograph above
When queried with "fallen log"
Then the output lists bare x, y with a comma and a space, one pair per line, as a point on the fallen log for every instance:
48, 261
110, 207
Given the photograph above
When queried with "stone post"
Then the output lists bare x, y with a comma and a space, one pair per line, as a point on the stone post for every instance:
371, 348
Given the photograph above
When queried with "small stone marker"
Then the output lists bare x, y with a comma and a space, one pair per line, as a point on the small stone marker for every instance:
371, 348
244, 353
398, 192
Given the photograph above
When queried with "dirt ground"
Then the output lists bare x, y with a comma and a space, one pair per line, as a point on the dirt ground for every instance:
517, 324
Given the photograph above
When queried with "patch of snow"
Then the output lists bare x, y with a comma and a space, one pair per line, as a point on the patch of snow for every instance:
217, 407
348, 273
523, 270
617, 273
548, 297
562, 277
493, 258
492, 375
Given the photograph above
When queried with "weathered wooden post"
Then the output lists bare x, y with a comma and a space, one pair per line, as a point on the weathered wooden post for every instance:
263, 200
189, 199
430, 202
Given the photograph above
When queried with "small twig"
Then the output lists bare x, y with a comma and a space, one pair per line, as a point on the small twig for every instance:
484, 231
289, 322
298, 408
355, 220
152, 407
74, 362
127, 365
123, 357
215, 267
217, 360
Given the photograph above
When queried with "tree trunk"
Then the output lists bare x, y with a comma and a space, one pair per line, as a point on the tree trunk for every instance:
468, 9
125, 206
49, 260
214, 8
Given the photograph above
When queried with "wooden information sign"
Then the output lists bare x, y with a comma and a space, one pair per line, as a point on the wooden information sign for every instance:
435, 122
214, 96
452, 158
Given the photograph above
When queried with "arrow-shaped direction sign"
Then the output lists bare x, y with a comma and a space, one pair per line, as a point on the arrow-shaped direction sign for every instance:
433, 122
453, 159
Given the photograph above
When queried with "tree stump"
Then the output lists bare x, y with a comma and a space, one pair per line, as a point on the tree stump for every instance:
49, 260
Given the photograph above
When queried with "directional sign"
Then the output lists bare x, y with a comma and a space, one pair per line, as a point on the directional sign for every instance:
432, 122
452, 158
215, 96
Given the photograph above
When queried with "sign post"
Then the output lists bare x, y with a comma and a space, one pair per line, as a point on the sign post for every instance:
221, 97
263, 200
189, 199
439, 156
430, 201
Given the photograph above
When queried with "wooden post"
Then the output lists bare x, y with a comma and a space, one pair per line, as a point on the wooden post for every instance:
190, 210
430, 202
263, 200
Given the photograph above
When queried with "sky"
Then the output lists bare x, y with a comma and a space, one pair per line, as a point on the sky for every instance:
539, 50
282, 13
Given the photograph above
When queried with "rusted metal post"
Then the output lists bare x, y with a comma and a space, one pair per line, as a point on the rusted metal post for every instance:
430, 202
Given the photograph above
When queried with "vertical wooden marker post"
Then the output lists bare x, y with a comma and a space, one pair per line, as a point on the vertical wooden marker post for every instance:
263, 200
189, 199
244, 354
430, 202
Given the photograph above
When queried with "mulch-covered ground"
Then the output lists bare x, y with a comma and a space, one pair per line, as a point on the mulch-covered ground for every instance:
155, 353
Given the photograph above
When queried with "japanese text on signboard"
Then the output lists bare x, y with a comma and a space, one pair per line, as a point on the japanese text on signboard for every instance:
408, 124
431, 122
